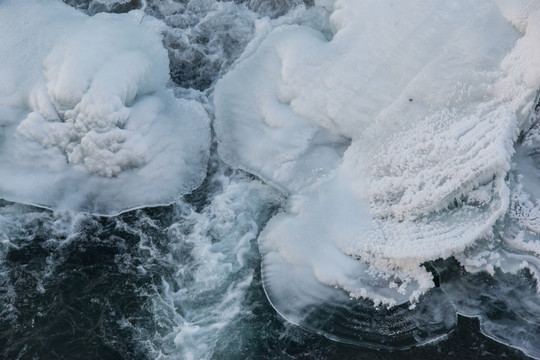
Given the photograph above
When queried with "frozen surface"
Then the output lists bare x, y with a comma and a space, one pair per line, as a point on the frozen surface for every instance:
393, 140
87, 121
390, 129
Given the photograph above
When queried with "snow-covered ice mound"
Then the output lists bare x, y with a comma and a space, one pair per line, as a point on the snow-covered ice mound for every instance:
393, 139
86, 119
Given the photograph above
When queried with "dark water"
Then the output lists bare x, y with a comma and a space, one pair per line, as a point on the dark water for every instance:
76, 286
85, 288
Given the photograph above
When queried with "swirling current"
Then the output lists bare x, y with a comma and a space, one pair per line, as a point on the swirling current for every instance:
193, 279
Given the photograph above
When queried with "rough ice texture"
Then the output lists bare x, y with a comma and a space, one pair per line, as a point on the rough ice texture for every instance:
87, 120
93, 7
393, 140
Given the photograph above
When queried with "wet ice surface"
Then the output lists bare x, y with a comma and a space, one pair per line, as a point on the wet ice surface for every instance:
184, 281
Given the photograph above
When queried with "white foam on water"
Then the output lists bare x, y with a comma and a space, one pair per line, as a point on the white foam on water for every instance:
390, 126
215, 251
87, 120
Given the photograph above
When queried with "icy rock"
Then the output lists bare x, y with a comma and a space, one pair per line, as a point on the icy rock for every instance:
393, 140
88, 122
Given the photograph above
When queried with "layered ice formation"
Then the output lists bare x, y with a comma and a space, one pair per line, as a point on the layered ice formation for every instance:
393, 139
87, 121
399, 142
